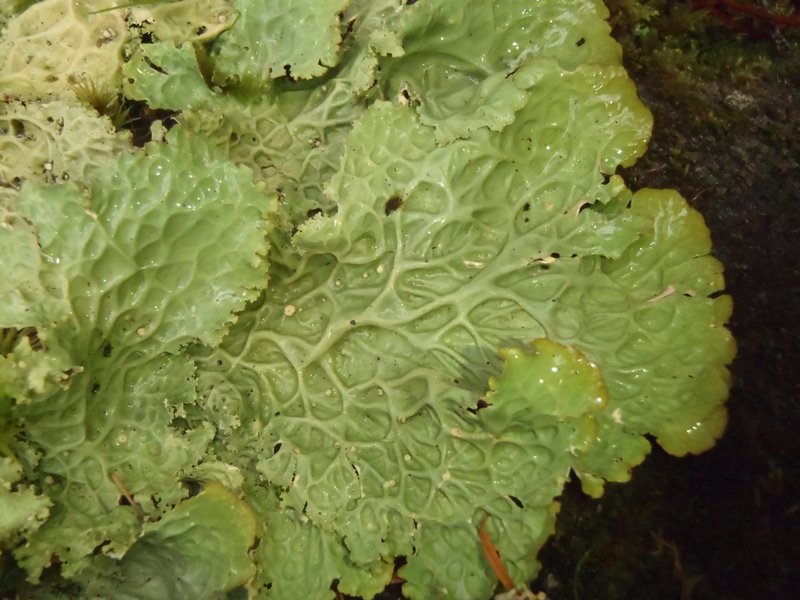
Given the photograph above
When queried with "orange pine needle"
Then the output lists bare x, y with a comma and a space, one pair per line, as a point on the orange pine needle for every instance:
493, 556
115, 477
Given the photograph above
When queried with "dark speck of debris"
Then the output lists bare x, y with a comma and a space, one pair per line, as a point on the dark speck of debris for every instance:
392, 204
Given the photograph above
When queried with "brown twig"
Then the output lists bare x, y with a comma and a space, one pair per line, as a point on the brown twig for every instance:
688, 582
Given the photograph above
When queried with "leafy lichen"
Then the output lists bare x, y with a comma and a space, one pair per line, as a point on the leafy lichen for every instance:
448, 193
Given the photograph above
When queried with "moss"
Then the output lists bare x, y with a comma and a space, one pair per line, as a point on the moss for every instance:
105, 100
713, 90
